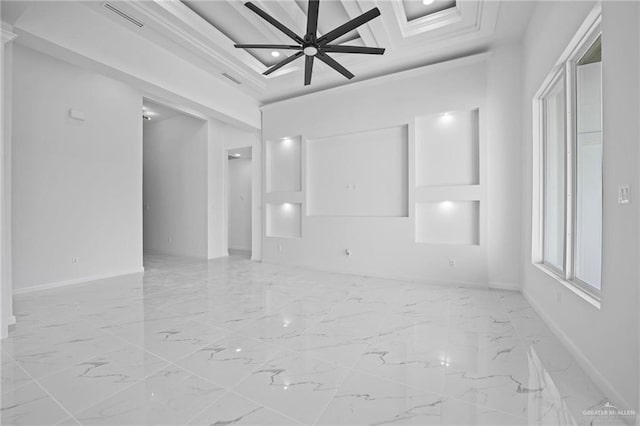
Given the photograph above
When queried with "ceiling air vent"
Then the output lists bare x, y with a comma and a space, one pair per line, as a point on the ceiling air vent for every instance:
120, 13
231, 78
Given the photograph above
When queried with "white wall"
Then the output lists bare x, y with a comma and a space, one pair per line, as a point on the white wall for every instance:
359, 174
6, 89
240, 204
75, 32
175, 186
605, 340
77, 185
386, 246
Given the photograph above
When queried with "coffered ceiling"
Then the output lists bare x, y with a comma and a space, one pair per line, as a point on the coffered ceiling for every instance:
413, 33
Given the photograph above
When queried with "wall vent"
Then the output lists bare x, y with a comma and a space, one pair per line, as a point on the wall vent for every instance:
120, 13
231, 78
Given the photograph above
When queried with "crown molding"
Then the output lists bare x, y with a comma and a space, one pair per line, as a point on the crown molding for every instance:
188, 28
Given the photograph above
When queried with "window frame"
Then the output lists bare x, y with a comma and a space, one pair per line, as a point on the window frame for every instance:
559, 75
585, 44
565, 67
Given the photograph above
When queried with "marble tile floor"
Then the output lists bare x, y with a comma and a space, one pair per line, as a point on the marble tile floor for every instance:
232, 341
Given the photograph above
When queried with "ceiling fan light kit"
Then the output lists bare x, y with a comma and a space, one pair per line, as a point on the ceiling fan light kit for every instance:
311, 46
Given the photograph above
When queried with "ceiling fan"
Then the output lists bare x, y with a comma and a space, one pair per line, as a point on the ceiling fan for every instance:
312, 46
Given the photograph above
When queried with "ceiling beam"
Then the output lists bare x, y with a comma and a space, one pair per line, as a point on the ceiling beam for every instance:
353, 10
270, 33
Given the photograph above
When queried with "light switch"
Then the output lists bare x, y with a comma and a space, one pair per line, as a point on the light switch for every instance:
623, 194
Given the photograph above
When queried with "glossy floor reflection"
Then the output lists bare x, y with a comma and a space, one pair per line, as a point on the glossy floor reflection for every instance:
237, 342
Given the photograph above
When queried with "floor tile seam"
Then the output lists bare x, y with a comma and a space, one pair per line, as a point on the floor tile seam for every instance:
68, 367
147, 350
443, 394
349, 371
259, 365
254, 340
200, 321
45, 390
125, 389
525, 346
31, 380
183, 321
259, 404
207, 406
90, 328
167, 362
235, 389
65, 369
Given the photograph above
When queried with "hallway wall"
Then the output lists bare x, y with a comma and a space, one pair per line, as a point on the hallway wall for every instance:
240, 204
175, 186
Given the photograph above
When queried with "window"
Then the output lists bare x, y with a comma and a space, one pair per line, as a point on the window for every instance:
588, 164
554, 175
569, 166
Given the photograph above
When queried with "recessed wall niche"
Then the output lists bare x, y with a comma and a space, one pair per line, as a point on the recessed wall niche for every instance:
448, 222
284, 220
283, 158
447, 149
361, 174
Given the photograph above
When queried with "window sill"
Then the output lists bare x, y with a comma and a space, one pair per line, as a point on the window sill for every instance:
595, 302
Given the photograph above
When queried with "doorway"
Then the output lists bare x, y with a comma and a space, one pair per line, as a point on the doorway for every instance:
174, 183
239, 206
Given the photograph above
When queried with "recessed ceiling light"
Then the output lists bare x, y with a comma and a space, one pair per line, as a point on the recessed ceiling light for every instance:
427, 2
275, 54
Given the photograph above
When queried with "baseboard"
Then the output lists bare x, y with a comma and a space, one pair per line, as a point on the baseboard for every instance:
74, 281
506, 286
239, 252
432, 281
600, 381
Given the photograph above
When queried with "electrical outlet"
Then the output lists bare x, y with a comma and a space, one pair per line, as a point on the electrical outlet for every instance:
280, 248
75, 260
623, 194
452, 263
169, 240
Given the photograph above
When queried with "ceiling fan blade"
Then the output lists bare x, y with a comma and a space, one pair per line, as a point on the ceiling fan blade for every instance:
353, 49
273, 21
335, 65
308, 68
268, 46
349, 26
283, 62
312, 18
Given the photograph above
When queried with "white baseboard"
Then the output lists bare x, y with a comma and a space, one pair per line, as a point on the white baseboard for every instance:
425, 280
582, 360
82, 280
506, 286
218, 255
